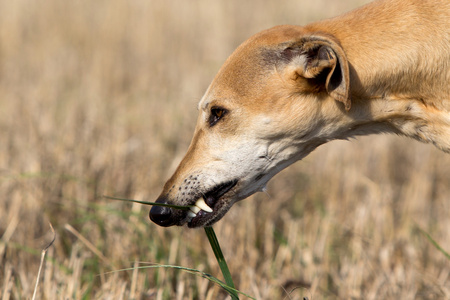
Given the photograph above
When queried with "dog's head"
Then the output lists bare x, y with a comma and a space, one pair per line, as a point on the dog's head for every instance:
271, 104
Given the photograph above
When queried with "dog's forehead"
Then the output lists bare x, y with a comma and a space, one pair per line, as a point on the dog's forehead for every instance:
249, 65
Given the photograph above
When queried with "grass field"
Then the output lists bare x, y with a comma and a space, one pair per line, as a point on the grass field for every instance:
99, 98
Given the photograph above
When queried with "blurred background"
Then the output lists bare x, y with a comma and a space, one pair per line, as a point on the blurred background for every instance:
99, 98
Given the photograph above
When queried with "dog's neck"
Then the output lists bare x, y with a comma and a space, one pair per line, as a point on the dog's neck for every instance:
399, 115
382, 100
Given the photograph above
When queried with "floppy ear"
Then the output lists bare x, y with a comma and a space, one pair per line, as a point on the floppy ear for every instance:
323, 59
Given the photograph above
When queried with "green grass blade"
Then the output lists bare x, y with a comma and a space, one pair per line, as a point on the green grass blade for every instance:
148, 203
435, 244
221, 260
196, 272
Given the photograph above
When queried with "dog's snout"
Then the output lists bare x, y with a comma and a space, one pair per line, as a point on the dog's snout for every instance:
162, 215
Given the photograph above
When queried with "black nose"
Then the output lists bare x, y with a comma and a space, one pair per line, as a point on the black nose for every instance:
161, 215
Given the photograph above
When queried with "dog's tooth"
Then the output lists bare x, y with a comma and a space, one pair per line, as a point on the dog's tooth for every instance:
202, 205
195, 209
191, 214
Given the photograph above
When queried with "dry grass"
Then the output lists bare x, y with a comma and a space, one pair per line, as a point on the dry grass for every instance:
99, 97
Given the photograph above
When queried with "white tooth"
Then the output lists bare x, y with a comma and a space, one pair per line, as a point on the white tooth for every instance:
202, 205
191, 214
195, 209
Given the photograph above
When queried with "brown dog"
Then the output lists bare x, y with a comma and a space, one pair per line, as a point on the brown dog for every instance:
384, 67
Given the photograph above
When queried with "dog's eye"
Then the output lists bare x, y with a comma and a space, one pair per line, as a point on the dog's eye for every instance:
217, 113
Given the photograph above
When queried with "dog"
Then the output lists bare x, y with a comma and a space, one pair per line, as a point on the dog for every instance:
382, 68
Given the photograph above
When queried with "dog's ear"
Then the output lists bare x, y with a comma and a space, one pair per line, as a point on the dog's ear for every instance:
323, 60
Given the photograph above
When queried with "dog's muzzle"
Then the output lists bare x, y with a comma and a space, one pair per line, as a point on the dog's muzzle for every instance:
201, 212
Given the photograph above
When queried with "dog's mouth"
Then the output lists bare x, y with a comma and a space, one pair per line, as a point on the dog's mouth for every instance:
210, 208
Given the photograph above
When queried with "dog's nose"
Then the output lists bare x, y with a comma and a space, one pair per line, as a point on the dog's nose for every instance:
161, 215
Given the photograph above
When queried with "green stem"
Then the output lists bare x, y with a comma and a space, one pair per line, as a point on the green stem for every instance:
221, 260
148, 203
435, 244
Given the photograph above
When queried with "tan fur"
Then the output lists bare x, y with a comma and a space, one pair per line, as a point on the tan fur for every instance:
384, 67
